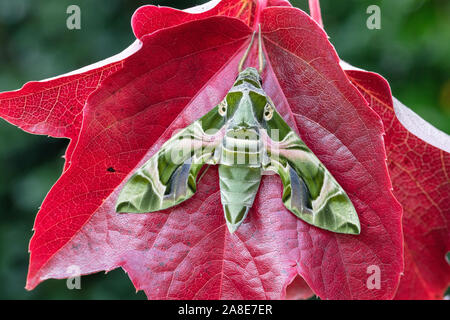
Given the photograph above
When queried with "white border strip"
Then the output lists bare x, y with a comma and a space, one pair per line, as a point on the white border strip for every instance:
413, 122
203, 7
133, 48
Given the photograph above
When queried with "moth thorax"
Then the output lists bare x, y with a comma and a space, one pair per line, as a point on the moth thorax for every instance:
242, 147
250, 74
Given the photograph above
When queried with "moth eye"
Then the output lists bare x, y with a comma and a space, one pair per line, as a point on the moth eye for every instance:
268, 112
223, 108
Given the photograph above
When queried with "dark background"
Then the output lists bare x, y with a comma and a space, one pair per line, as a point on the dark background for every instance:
411, 50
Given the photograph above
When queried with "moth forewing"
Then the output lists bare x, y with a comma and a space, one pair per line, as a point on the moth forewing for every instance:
211, 146
310, 191
169, 176
180, 148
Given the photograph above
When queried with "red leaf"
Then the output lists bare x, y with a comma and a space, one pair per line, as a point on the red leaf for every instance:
336, 124
124, 120
420, 176
298, 289
180, 73
54, 107
148, 19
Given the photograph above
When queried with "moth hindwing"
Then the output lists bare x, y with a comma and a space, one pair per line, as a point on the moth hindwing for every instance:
245, 136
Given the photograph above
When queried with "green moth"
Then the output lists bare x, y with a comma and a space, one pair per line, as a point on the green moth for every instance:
245, 136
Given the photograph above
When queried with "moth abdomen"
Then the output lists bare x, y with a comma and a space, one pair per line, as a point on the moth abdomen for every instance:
238, 188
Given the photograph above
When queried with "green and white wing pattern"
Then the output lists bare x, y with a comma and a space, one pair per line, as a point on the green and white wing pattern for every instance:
245, 119
170, 176
310, 191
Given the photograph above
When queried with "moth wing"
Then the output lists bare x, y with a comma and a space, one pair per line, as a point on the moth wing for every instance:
309, 190
170, 176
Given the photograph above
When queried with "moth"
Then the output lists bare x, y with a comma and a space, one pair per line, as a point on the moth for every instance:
246, 137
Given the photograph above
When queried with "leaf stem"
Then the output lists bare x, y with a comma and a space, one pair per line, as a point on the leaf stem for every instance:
260, 6
314, 10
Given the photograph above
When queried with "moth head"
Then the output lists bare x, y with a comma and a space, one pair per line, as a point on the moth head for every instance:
249, 76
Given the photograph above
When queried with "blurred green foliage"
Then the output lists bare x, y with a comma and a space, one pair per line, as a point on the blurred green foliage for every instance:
412, 50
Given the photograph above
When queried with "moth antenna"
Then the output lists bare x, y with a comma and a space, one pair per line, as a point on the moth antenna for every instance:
241, 63
262, 62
